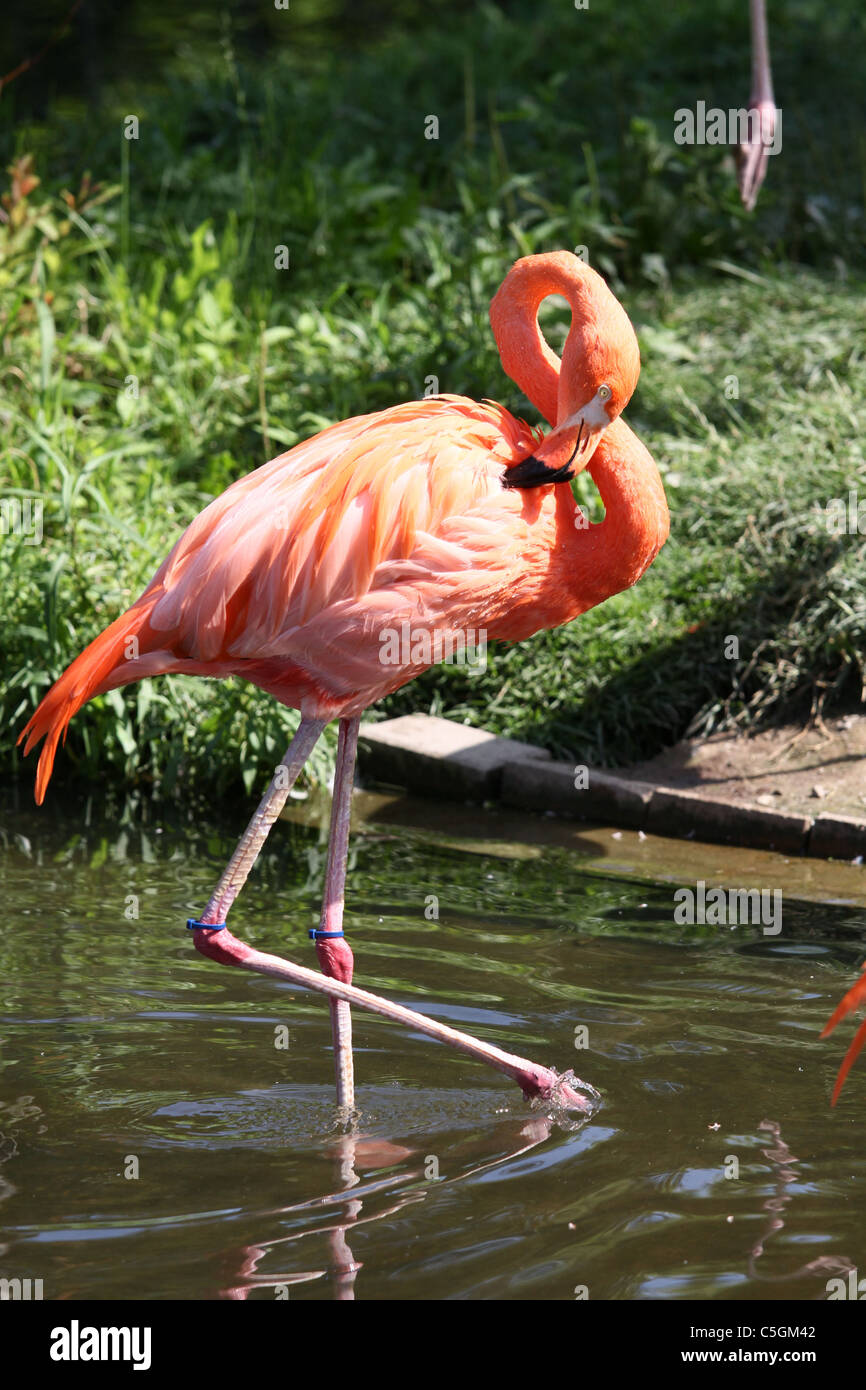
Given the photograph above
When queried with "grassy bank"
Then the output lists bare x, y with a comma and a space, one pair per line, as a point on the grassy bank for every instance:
152, 353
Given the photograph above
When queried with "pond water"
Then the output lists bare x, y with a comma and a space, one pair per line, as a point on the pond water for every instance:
168, 1130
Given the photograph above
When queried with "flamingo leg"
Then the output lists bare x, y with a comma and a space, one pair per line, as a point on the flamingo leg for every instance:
332, 948
334, 952
214, 940
533, 1080
237, 870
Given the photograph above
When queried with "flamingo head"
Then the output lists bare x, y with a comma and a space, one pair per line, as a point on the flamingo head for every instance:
585, 392
600, 368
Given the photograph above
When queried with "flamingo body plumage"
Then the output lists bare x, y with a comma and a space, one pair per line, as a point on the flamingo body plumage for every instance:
290, 576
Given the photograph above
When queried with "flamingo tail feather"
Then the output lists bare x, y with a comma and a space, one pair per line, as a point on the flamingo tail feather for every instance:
855, 996
89, 674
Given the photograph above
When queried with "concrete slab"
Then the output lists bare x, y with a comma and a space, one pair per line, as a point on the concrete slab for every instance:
580, 792
838, 837
440, 757
685, 814
696, 791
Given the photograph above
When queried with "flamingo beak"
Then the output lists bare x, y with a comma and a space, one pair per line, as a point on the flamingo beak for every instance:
581, 432
567, 449
536, 471
563, 454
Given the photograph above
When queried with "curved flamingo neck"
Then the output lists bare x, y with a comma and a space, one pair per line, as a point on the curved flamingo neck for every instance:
600, 560
579, 565
526, 356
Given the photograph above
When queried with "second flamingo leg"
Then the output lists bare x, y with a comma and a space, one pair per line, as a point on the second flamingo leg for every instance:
332, 948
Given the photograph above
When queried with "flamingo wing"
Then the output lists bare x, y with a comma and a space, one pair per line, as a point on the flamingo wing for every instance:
380, 516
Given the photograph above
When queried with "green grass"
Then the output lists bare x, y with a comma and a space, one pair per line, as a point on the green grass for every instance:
151, 352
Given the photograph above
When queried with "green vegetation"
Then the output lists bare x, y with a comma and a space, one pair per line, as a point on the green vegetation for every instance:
151, 352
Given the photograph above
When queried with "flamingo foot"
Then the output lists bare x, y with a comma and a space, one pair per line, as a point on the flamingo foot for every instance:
547, 1089
751, 155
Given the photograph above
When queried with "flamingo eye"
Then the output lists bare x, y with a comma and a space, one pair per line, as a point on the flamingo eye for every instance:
604, 393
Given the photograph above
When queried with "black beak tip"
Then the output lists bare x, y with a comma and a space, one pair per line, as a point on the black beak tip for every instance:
533, 472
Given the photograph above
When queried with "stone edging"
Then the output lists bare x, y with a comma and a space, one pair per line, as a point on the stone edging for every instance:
441, 758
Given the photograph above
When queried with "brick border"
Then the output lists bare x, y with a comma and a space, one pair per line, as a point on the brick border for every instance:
440, 757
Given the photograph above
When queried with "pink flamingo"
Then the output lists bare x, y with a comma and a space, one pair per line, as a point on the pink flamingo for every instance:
443, 513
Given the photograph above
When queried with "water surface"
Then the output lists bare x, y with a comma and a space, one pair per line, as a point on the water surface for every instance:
157, 1140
